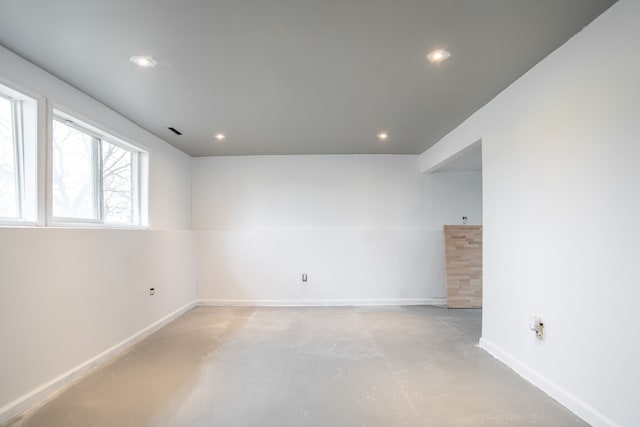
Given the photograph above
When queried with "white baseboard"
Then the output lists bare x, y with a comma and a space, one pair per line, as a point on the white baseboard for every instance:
567, 399
48, 390
322, 302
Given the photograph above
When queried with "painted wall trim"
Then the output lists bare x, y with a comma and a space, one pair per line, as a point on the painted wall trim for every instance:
54, 387
571, 402
322, 302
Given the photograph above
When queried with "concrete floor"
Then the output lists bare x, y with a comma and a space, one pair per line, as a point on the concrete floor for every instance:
393, 366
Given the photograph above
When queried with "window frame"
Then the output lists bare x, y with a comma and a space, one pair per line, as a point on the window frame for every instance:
25, 186
139, 168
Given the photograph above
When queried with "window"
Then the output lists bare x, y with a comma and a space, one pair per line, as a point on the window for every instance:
17, 157
95, 177
85, 176
9, 188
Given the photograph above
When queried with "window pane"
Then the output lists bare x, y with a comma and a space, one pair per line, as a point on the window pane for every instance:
117, 180
73, 168
8, 181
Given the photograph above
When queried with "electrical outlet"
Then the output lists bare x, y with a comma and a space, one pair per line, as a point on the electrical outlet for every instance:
537, 326
152, 291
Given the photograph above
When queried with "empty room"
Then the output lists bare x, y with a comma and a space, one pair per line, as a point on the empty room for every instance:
319, 213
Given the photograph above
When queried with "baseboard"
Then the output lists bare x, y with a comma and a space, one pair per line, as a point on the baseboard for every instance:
567, 399
322, 302
59, 384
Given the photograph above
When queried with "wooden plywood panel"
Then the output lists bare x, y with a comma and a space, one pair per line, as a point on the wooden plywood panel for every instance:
463, 254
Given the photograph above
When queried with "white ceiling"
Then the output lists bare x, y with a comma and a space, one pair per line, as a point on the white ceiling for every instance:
293, 76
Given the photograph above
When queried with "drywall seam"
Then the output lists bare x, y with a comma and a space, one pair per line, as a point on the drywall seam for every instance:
571, 402
54, 387
322, 302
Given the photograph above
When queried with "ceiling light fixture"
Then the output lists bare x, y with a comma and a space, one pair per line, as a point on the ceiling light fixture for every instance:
143, 61
383, 136
438, 55
219, 136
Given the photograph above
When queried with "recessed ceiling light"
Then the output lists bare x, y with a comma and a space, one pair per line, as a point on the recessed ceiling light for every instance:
219, 136
383, 136
438, 55
143, 61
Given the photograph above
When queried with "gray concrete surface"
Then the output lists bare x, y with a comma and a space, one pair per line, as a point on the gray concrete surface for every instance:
389, 366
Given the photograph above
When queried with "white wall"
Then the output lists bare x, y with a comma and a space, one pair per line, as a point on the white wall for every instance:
67, 295
561, 177
364, 228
